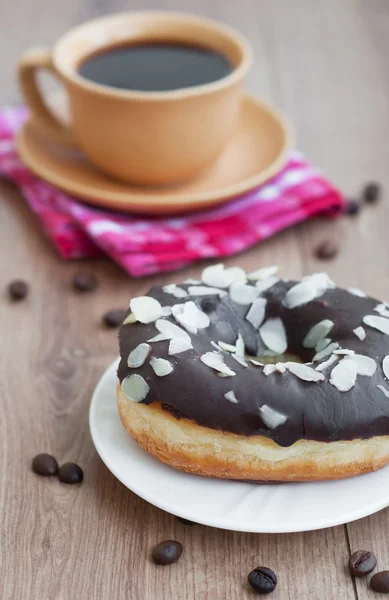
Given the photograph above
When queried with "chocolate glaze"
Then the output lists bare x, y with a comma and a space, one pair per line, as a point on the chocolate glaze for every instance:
315, 411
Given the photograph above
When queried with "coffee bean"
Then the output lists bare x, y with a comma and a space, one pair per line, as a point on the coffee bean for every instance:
326, 250
18, 289
263, 580
371, 193
185, 521
380, 582
45, 464
167, 552
114, 318
70, 473
85, 282
353, 207
362, 563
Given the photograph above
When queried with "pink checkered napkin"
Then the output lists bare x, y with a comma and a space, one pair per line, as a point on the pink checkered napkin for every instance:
144, 245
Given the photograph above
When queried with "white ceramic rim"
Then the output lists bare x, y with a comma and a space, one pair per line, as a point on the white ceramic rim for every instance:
219, 522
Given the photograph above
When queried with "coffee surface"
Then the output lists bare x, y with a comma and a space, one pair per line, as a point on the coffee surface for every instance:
155, 67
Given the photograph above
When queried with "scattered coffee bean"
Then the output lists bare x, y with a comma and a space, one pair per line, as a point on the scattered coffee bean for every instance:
85, 282
18, 289
167, 552
185, 521
70, 473
371, 193
263, 580
362, 563
44, 464
380, 582
326, 250
114, 318
353, 207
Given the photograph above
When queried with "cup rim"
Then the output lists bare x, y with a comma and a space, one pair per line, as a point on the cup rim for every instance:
236, 75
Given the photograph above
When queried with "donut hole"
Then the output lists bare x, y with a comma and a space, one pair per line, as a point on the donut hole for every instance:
272, 360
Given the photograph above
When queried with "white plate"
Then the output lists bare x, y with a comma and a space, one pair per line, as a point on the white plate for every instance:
279, 508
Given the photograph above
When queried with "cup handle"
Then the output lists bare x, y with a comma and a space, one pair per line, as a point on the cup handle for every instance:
28, 66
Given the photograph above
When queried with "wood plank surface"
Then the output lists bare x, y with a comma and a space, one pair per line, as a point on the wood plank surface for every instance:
325, 64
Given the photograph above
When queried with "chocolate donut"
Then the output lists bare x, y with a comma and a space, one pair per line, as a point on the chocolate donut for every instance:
254, 377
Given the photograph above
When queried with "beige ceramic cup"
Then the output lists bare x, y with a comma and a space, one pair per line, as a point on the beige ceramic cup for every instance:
147, 138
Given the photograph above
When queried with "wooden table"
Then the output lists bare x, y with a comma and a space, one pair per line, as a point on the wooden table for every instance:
324, 63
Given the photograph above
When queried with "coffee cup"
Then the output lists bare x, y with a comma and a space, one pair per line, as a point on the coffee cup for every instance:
150, 138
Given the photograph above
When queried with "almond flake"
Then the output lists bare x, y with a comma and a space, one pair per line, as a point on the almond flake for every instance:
317, 333
268, 369
327, 363
272, 418
178, 345
138, 356
383, 390
171, 330
239, 345
360, 333
263, 273
344, 352
256, 313
175, 290
192, 281
202, 290
220, 277
135, 388
385, 366
214, 344
326, 351
303, 292
166, 311
179, 339
242, 361
321, 344
380, 323
131, 318
308, 289
382, 309
243, 294
160, 337
215, 361
227, 347
265, 284
344, 375
256, 362
190, 316
146, 309
273, 335
365, 365
357, 292
304, 372
231, 397
161, 366
280, 367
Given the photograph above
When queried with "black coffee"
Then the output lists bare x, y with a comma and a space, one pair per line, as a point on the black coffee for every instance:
155, 67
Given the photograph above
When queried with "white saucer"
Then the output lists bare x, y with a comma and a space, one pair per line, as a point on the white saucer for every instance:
278, 508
